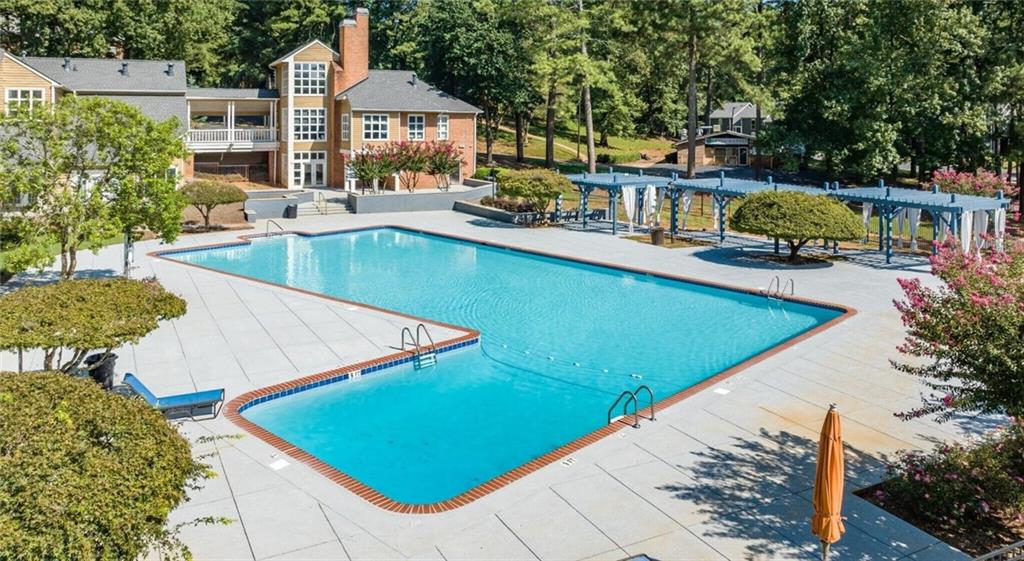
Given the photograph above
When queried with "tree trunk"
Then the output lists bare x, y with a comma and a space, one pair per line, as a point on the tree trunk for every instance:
588, 109
691, 105
794, 248
549, 128
489, 137
707, 100
520, 136
757, 131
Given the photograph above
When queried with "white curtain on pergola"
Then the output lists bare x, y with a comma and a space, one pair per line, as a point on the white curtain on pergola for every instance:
629, 205
980, 228
865, 210
914, 216
966, 230
687, 197
1000, 227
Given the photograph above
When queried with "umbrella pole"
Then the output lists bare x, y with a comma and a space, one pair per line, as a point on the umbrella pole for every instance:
825, 546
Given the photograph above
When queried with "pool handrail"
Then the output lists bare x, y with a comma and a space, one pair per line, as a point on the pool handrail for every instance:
632, 399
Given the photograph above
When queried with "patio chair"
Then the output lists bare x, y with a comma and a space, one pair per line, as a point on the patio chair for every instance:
182, 405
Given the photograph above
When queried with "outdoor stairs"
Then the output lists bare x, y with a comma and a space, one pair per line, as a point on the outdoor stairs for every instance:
425, 360
327, 207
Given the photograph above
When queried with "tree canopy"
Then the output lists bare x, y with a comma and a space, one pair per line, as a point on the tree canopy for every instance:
82, 316
89, 169
205, 195
795, 217
86, 474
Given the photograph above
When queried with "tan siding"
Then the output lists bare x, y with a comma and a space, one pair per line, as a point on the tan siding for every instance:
14, 75
314, 53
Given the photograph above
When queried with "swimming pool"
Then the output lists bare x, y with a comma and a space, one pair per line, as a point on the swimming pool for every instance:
559, 341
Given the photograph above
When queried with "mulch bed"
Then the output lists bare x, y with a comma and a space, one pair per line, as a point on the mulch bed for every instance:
985, 535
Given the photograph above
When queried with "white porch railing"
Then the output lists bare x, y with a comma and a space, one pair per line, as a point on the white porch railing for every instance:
233, 135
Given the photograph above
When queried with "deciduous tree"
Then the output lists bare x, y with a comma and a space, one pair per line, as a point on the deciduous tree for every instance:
795, 217
205, 195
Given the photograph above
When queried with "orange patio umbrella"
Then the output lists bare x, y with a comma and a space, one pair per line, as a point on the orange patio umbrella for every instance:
827, 522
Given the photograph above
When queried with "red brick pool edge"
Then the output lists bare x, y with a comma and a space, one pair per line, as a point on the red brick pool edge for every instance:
234, 408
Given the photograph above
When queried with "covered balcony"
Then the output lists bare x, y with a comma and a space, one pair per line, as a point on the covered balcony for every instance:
232, 120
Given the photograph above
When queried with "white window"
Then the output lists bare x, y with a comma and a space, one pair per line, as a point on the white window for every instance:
346, 127
442, 127
309, 169
375, 126
417, 127
28, 98
310, 78
310, 124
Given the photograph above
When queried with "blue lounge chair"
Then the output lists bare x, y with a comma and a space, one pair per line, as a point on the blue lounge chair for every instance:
182, 405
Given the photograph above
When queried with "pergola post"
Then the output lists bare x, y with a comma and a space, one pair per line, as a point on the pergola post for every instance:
584, 196
936, 224
674, 211
613, 207
720, 202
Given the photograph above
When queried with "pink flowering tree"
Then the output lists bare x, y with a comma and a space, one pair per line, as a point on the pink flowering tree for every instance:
969, 333
981, 183
443, 161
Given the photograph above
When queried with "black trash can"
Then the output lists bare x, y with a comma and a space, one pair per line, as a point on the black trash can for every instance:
291, 211
101, 369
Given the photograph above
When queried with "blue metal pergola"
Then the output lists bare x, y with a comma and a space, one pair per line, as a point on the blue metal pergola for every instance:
946, 209
613, 183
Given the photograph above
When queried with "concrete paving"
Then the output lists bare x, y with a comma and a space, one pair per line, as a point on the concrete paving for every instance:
725, 474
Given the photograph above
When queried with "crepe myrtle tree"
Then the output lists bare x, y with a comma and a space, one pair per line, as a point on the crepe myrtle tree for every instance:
968, 332
205, 195
69, 319
410, 160
83, 171
795, 217
88, 474
442, 161
372, 165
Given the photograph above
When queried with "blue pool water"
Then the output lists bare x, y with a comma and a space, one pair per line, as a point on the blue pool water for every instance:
560, 340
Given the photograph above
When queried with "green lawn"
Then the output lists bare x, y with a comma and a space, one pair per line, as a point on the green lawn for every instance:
55, 248
566, 140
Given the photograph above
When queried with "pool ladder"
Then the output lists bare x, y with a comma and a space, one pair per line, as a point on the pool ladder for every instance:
630, 397
776, 290
423, 357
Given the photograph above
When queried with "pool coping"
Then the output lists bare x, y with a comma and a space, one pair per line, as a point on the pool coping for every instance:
234, 408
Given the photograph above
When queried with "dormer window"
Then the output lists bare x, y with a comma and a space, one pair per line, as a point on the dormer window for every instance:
310, 78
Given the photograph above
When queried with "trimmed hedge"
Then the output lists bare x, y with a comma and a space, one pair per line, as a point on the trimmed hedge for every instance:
796, 217
85, 474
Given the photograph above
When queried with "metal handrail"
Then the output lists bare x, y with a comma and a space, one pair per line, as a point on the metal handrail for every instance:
650, 394
320, 201
1012, 552
790, 285
412, 340
632, 398
423, 327
274, 222
774, 284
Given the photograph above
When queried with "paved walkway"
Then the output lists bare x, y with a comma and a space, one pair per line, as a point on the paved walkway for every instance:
725, 474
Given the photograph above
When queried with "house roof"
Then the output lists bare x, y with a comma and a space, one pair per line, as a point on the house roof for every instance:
301, 48
19, 61
95, 75
158, 107
738, 110
400, 90
231, 93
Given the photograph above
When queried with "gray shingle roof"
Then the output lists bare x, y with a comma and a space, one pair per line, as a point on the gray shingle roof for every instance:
396, 90
157, 107
232, 93
738, 110
104, 74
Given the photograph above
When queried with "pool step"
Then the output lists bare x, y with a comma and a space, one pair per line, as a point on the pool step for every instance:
425, 360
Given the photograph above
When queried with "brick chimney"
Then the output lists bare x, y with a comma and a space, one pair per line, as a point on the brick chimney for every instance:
354, 46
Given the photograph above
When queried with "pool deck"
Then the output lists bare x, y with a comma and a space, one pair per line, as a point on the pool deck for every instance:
724, 474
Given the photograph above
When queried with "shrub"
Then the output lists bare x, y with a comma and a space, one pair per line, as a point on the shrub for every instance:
619, 158
83, 315
796, 217
206, 195
981, 183
85, 474
536, 186
442, 161
486, 172
957, 485
510, 205
969, 329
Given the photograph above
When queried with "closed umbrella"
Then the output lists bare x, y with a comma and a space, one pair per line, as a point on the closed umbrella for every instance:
827, 522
